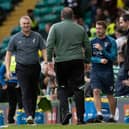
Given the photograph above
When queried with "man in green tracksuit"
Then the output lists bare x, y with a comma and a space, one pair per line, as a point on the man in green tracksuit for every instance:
69, 42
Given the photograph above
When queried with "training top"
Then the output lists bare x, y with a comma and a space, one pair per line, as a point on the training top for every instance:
67, 40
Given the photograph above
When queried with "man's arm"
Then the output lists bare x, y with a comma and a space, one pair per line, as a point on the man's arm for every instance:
113, 52
87, 48
87, 51
51, 44
44, 54
50, 50
7, 63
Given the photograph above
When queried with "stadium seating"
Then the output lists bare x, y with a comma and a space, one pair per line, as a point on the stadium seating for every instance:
47, 11
15, 30
3, 48
6, 5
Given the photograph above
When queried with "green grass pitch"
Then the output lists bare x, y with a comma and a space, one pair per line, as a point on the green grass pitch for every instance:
57, 126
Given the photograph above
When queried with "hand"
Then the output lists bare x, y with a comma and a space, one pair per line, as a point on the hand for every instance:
51, 71
125, 82
87, 67
104, 61
8, 75
4, 87
44, 68
98, 46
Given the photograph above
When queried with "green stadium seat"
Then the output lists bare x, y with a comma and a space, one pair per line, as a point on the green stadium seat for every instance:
15, 30
37, 12
7, 6
49, 18
53, 1
57, 9
5, 43
3, 47
1, 61
87, 18
47, 3
41, 26
2, 1
2, 53
43, 11
40, 5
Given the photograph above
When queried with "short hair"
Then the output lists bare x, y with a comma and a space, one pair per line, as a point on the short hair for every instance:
102, 23
67, 13
25, 17
120, 30
125, 17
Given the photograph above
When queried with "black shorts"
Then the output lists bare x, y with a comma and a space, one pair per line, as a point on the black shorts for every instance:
70, 73
103, 80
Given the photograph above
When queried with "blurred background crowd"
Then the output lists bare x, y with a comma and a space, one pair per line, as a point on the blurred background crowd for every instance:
44, 13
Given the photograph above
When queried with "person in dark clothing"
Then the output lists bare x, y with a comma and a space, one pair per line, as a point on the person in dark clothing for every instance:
123, 59
69, 42
104, 52
26, 45
34, 24
13, 89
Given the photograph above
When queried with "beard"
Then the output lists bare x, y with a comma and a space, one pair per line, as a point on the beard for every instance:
100, 34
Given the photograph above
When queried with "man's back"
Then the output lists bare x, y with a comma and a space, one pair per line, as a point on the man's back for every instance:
68, 38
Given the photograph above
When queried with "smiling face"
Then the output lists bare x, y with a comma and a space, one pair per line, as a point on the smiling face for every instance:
123, 24
100, 30
25, 24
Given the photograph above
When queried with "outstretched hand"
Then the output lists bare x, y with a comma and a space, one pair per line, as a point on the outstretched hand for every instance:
8, 75
51, 71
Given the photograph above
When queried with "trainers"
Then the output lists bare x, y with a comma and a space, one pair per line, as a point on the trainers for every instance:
111, 120
66, 118
29, 120
99, 118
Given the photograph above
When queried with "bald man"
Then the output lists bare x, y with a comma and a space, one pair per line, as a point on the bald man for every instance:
68, 41
25, 45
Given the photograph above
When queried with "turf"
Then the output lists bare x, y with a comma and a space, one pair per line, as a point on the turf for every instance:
56, 126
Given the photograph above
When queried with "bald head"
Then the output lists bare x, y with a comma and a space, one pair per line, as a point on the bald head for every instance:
67, 13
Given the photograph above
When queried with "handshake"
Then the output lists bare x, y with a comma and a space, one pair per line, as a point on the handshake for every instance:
48, 69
